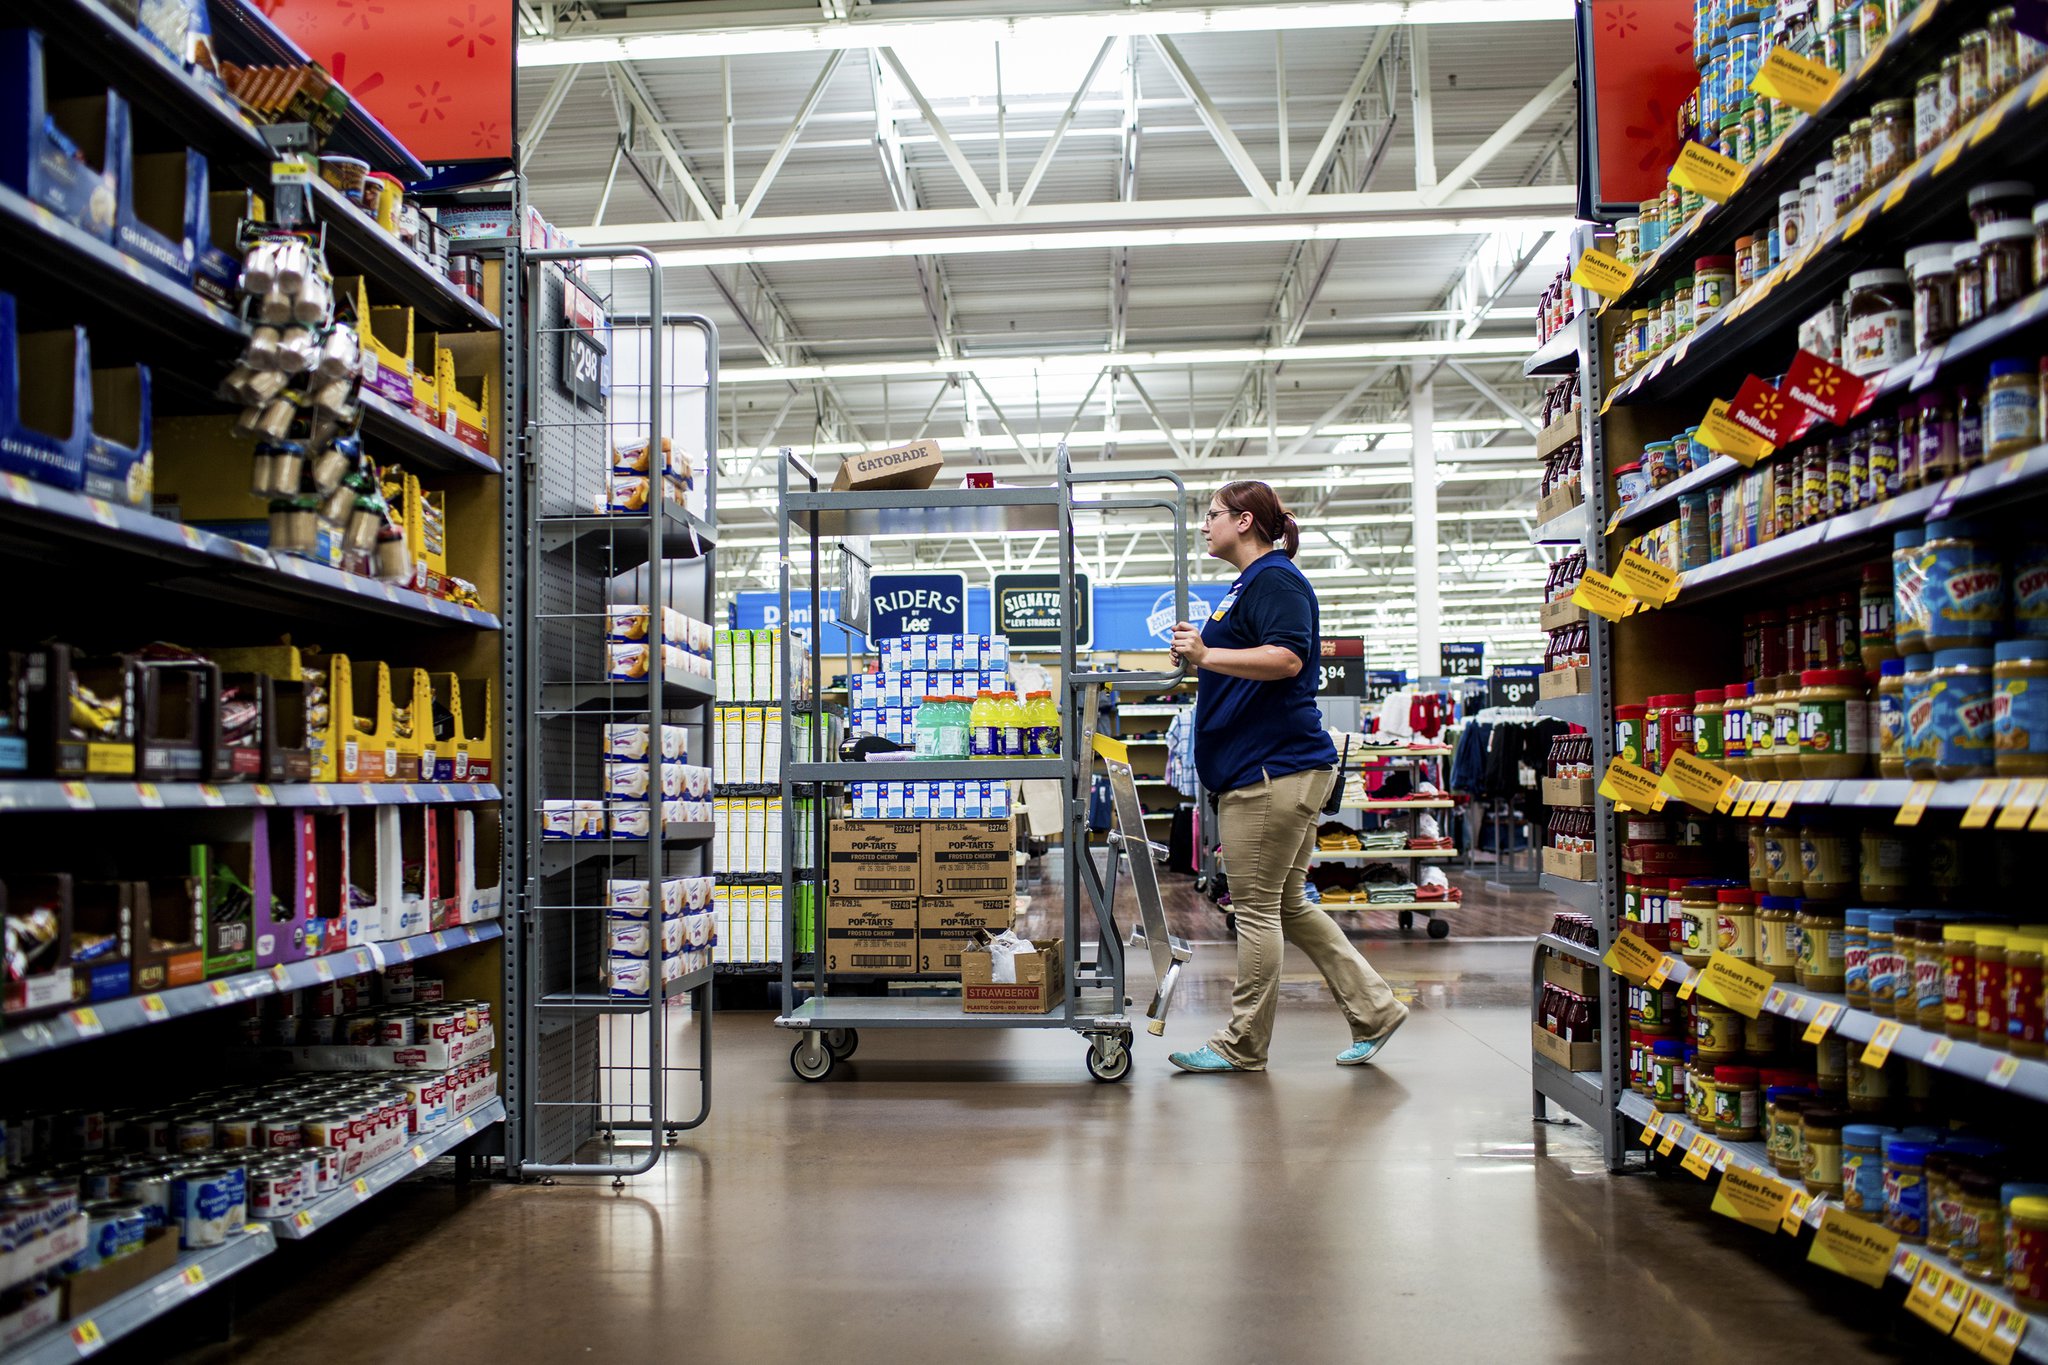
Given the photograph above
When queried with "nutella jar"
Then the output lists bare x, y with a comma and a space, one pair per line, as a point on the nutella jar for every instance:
1880, 321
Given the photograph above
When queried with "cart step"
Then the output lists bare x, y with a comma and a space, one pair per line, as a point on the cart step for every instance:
1169, 953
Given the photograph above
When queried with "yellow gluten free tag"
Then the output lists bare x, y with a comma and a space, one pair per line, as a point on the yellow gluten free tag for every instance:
1627, 785
1798, 81
1629, 956
1849, 1246
1718, 431
1739, 985
1709, 174
1603, 274
1600, 595
1697, 781
1641, 578
1754, 1199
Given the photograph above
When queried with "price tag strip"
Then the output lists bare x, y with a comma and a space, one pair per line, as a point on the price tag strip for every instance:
1880, 1045
1823, 1020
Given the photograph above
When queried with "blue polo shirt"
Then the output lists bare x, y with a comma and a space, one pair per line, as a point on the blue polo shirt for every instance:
1246, 730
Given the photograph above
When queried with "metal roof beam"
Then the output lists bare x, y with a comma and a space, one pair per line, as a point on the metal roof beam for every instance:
701, 30
789, 137
1212, 119
637, 94
1504, 136
961, 165
1095, 226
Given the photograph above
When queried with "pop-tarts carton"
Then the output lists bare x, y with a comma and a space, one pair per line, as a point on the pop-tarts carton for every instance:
943, 652
921, 794
920, 652
995, 652
895, 651
895, 801
945, 801
862, 801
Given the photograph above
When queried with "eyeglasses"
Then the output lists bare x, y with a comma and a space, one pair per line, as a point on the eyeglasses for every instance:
1215, 512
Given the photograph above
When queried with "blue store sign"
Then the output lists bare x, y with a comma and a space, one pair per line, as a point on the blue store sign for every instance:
918, 604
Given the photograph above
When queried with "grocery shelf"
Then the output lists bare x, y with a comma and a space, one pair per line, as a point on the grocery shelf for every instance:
928, 512
1867, 530
1970, 343
935, 1011
34, 512
387, 1173
1580, 1092
1558, 434
605, 1003
357, 244
1753, 331
140, 1011
2025, 1076
624, 695
1889, 71
194, 1273
1150, 709
26, 797
931, 770
199, 115
1338, 907
1559, 355
1397, 805
1577, 710
1326, 855
395, 430
559, 855
244, 33
628, 540
1586, 897
205, 335
1754, 1158
1589, 956
312, 582
1661, 504
1867, 793
1567, 528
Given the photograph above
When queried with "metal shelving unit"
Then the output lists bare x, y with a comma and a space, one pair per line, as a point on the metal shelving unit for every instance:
1586, 1095
1095, 990
601, 1090
169, 580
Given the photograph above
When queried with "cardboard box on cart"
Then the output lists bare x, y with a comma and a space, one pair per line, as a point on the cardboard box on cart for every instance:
874, 858
1041, 983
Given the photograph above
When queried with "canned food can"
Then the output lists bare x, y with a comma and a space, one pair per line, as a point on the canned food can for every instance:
234, 1132
151, 1189
429, 991
269, 1192
325, 998
281, 1031
131, 1225
102, 1239
397, 1030
191, 1133
443, 1026
320, 1030
97, 1182
398, 983
328, 1130
278, 1130
362, 1030
329, 1176
87, 1130
238, 1185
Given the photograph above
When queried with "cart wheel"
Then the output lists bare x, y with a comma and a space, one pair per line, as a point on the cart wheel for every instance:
1201, 881
1230, 923
1111, 1067
811, 1059
1407, 919
1439, 928
842, 1042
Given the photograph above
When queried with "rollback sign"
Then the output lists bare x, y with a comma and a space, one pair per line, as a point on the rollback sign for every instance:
918, 604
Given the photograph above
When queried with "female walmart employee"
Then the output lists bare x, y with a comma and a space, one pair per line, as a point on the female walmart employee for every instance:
1260, 743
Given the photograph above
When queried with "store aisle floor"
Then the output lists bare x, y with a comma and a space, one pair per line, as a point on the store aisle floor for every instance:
973, 1196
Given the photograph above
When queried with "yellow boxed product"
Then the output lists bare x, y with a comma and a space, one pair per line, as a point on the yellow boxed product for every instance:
411, 757
753, 725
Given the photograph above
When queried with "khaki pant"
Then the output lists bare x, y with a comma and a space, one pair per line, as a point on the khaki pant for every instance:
1269, 831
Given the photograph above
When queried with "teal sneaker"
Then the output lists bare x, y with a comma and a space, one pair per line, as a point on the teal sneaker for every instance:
1203, 1058
1359, 1053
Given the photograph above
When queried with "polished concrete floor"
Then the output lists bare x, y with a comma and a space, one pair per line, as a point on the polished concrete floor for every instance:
974, 1196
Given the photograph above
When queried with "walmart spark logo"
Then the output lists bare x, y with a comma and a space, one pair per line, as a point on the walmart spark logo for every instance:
1824, 381
1769, 406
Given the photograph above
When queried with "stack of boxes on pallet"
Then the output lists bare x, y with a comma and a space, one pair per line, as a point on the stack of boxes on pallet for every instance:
905, 897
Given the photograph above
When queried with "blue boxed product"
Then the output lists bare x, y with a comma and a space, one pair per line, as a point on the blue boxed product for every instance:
43, 420
65, 154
